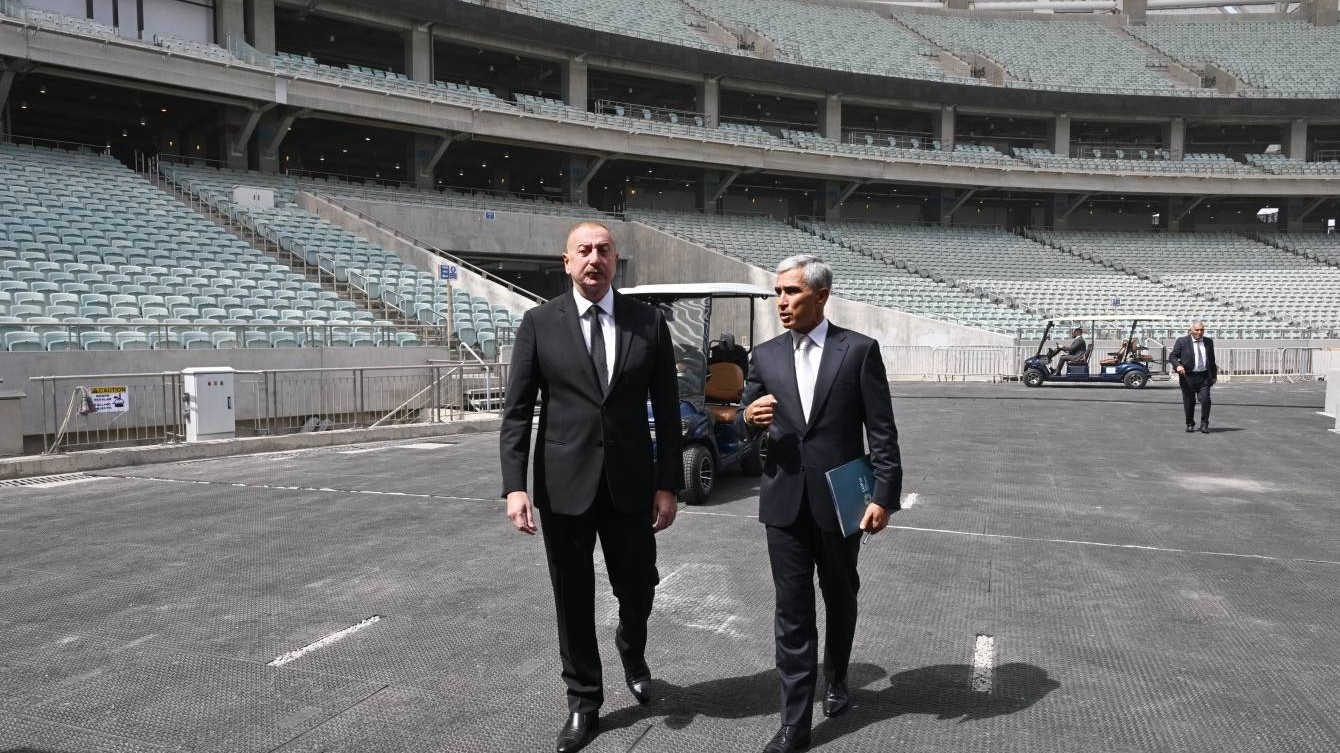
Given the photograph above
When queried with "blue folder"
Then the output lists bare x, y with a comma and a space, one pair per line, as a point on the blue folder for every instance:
853, 487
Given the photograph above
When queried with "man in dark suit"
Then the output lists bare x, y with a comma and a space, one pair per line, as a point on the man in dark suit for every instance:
1192, 357
820, 392
592, 357
1075, 351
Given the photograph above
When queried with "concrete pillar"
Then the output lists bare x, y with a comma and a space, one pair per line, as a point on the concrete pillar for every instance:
830, 117
832, 210
1291, 209
229, 21
707, 188
268, 140
1174, 137
944, 128
1322, 12
575, 180
1058, 134
235, 154
946, 199
261, 25
11, 422
709, 100
1174, 206
419, 53
1054, 211
1294, 139
1136, 11
574, 83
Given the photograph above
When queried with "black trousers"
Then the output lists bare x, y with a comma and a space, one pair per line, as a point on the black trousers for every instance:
629, 546
1195, 385
795, 551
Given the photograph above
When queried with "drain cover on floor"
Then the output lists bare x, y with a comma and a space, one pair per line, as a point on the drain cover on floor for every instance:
48, 482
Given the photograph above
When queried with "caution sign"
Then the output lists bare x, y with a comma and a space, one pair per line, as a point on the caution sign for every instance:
110, 399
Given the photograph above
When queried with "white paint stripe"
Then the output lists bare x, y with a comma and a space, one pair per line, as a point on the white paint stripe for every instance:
363, 450
309, 648
64, 482
910, 500
983, 662
423, 446
1169, 550
200, 482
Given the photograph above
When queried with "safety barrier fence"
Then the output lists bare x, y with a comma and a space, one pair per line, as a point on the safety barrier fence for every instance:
998, 362
95, 411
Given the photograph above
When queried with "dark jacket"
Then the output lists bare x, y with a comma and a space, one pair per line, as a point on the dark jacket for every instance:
851, 406
579, 433
1184, 354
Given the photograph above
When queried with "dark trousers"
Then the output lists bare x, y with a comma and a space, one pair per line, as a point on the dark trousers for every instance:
629, 546
1195, 385
795, 551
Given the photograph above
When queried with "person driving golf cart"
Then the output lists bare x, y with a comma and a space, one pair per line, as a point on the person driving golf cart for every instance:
1076, 351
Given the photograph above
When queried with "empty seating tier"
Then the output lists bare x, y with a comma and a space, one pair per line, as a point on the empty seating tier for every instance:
92, 256
857, 277
1245, 275
1274, 57
1030, 274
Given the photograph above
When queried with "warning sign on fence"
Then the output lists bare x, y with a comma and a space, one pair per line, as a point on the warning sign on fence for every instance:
111, 399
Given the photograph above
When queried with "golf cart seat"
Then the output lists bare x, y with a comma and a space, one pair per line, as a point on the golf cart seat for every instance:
725, 386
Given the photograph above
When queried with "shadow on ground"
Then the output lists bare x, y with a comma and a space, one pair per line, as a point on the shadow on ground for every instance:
941, 690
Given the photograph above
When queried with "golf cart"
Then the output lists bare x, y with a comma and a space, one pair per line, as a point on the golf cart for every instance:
710, 376
1128, 365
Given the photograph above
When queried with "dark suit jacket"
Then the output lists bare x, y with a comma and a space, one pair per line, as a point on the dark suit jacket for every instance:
578, 430
1184, 354
851, 405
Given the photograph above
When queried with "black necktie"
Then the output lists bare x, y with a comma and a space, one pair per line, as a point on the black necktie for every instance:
598, 349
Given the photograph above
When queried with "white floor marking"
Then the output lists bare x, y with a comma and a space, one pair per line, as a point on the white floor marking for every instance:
422, 446
309, 648
305, 488
910, 500
983, 661
365, 449
1169, 550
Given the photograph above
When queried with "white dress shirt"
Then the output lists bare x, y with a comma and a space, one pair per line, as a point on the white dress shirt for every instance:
606, 305
807, 362
1199, 346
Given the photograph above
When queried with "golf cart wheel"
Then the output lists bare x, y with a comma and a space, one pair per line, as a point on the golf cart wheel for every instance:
1034, 378
1135, 379
752, 463
699, 474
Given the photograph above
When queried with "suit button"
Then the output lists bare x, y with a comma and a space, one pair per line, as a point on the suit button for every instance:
600, 443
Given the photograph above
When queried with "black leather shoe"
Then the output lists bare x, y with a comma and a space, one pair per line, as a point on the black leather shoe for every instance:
836, 700
578, 731
640, 687
1190, 428
789, 738
1204, 427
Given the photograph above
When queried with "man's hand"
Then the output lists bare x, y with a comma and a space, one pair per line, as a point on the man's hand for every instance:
664, 506
876, 518
520, 512
759, 412
1181, 369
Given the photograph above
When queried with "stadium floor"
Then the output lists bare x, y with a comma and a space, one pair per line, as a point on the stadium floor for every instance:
1144, 589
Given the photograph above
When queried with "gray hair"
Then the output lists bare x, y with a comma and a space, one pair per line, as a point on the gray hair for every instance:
818, 275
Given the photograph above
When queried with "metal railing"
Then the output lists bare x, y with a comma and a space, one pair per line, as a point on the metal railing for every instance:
97, 411
91, 411
1001, 362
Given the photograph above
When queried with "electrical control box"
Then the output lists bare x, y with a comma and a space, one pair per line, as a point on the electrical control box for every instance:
208, 402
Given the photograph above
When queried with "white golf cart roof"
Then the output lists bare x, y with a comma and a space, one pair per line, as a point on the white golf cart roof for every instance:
700, 289
1109, 316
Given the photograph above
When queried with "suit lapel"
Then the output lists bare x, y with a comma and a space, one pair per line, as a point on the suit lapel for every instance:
623, 338
834, 351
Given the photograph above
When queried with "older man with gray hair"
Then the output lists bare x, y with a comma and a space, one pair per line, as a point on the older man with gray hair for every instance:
821, 394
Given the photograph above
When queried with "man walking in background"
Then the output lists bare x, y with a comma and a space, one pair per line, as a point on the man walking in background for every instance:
821, 394
1192, 357
592, 357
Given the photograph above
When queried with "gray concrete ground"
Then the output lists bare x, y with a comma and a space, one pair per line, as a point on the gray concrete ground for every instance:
1144, 590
